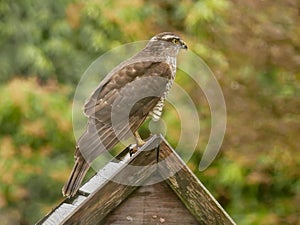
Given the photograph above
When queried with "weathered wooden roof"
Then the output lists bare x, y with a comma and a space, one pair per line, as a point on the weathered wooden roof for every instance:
151, 205
107, 189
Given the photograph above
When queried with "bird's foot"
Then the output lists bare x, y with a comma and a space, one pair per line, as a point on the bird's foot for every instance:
132, 149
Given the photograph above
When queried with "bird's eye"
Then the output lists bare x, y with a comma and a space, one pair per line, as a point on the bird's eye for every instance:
175, 41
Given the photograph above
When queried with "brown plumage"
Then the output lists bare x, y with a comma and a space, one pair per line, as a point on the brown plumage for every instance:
122, 102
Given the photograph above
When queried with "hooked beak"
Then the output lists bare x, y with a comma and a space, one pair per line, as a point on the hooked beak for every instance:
183, 45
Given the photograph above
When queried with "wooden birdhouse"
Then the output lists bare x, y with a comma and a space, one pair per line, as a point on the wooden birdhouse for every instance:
154, 186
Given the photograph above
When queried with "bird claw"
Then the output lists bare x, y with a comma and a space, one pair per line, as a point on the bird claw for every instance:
132, 149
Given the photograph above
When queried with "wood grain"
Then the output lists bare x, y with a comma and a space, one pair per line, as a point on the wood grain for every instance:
98, 201
189, 189
151, 205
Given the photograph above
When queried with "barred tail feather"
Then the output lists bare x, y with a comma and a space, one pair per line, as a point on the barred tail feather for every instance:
91, 145
78, 173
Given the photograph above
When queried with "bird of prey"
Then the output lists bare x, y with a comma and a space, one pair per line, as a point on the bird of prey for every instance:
131, 92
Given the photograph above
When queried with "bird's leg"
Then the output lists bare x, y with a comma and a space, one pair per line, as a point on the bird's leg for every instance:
139, 143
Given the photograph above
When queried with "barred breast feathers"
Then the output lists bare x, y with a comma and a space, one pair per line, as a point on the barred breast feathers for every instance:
157, 110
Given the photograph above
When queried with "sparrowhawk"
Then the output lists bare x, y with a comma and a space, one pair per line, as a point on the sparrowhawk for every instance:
131, 92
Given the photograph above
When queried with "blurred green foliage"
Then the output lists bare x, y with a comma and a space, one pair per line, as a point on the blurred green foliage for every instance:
252, 47
35, 139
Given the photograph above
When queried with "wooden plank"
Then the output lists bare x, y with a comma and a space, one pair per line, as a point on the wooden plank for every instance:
110, 194
151, 205
58, 214
100, 196
100, 178
189, 189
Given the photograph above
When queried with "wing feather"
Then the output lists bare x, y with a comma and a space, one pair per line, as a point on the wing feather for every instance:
108, 120
99, 105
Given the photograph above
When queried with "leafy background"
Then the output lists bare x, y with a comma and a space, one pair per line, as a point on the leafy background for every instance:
253, 48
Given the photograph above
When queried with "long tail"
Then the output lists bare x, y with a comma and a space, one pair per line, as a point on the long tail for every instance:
78, 173
91, 144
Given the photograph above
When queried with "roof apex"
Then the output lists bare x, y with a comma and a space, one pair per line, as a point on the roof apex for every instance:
107, 189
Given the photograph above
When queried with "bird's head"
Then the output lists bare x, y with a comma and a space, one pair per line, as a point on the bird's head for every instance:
170, 39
